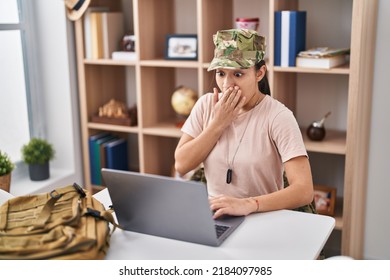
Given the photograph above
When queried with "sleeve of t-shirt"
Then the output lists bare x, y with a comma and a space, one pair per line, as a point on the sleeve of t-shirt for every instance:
287, 136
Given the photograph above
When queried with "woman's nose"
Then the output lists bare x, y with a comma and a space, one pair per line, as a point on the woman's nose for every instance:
228, 82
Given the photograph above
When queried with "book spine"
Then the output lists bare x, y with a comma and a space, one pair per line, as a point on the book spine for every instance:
117, 155
92, 155
297, 35
87, 35
96, 35
105, 35
113, 32
97, 177
92, 161
277, 35
285, 39
290, 36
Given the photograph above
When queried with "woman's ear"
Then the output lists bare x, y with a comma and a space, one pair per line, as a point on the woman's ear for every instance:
261, 73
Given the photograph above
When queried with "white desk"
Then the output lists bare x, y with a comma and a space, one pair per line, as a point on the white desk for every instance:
274, 235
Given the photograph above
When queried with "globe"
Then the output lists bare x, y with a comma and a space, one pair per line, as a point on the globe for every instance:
183, 100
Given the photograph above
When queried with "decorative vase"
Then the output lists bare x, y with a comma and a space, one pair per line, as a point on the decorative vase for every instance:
316, 131
5, 182
248, 23
39, 172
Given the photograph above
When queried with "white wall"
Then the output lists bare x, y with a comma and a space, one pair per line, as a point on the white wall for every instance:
57, 81
377, 233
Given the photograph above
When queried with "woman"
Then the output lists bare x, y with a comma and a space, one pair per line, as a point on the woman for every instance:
245, 138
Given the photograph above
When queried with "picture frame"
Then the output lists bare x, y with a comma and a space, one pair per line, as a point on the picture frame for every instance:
325, 199
181, 47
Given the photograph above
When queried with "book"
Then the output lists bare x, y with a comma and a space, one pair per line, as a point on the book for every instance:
117, 154
96, 156
87, 29
324, 52
96, 24
122, 55
92, 156
321, 62
113, 31
290, 36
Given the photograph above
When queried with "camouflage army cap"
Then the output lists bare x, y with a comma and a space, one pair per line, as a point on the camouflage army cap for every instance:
237, 48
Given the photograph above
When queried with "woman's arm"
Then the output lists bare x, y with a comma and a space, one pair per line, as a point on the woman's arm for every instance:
191, 152
298, 193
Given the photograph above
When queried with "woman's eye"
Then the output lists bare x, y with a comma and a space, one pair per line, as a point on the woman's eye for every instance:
238, 74
220, 73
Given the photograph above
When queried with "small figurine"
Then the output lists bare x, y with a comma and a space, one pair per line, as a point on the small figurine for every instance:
316, 131
113, 109
128, 43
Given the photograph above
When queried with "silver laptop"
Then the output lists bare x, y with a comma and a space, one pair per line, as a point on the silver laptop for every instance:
166, 207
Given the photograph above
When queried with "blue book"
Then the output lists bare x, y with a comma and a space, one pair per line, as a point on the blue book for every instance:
278, 38
117, 154
290, 36
96, 178
92, 160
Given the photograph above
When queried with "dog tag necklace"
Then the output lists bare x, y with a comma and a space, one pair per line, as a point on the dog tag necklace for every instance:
229, 173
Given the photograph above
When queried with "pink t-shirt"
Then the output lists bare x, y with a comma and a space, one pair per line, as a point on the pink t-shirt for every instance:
272, 137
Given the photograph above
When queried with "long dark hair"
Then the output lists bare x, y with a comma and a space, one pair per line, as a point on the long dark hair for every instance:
263, 84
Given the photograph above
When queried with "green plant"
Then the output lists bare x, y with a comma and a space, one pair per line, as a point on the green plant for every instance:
6, 165
37, 151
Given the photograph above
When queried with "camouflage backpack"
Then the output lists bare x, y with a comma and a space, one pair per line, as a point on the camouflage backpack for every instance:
66, 223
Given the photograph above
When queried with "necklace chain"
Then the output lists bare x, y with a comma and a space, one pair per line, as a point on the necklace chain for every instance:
229, 173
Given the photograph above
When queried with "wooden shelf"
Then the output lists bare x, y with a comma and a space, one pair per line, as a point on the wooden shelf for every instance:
167, 129
170, 63
344, 70
111, 127
110, 62
333, 143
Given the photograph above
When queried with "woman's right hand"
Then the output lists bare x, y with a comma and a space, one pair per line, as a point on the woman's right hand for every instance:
227, 108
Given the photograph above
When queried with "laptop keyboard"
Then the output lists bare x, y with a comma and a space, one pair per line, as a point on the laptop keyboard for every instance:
220, 229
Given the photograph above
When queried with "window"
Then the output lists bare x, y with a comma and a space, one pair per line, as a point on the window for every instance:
16, 96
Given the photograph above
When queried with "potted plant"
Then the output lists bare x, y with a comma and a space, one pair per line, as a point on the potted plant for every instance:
6, 167
37, 153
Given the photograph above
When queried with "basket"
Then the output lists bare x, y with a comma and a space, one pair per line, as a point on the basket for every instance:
5, 182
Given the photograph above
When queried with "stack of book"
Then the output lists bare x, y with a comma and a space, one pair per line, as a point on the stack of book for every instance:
324, 58
106, 151
290, 36
103, 32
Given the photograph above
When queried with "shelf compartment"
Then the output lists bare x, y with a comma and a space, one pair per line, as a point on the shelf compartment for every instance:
158, 85
152, 33
219, 15
158, 154
334, 142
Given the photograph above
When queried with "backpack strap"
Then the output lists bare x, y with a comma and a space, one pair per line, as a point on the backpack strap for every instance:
47, 209
105, 215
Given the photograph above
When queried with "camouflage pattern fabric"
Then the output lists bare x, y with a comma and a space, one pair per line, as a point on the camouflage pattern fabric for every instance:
237, 48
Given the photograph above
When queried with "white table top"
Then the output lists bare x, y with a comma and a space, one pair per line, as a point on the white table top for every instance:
276, 235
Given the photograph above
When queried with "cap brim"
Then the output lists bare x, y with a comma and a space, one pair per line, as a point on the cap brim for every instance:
75, 15
218, 63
